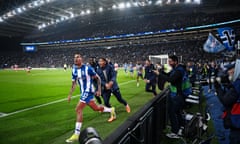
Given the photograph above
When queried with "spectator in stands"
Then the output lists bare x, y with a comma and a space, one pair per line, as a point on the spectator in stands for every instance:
212, 74
192, 72
228, 97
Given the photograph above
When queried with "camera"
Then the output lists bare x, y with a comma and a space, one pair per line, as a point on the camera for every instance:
223, 79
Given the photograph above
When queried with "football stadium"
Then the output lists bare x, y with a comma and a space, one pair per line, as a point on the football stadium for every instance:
120, 71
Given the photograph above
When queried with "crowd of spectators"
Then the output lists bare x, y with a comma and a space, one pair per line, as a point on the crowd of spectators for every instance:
128, 22
188, 50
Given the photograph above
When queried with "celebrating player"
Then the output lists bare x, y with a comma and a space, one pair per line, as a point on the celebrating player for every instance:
84, 75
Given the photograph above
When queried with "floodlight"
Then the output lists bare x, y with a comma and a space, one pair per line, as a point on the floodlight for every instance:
42, 2
114, 6
128, 5
30, 5
19, 10
150, 2
82, 12
158, 2
35, 3
1, 19
14, 12
100, 9
9, 14
88, 11
197, 1
71, 15
43, 25
24, 8
121, 5
66, 17
135, 4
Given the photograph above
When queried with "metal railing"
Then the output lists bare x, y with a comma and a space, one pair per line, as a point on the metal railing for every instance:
145, 126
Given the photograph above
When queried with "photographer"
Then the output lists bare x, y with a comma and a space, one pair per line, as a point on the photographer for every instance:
176, 97
228, 92
212, 73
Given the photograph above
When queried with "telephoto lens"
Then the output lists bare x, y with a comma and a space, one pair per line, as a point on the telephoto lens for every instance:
89, 136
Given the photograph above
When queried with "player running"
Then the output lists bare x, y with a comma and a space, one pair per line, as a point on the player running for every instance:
84, 75
139, 69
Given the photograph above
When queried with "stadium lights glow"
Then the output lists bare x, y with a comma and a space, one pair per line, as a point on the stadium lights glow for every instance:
88, 11
35, 3
42, 2
158, 2
135, 4
82, 12
114, 6
14, 12
197, 1
9, 14
100, 9
25, 7
19, 10
66, 17
128, 5
121, 5
71, 15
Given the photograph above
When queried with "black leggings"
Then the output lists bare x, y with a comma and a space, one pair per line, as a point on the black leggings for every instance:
107, 94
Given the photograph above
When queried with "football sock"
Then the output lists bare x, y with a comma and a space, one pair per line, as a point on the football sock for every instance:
106, 109
78, 126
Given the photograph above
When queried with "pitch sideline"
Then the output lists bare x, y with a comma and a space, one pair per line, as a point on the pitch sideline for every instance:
50, 103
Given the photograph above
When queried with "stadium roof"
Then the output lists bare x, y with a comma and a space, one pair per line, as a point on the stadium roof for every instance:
19, 18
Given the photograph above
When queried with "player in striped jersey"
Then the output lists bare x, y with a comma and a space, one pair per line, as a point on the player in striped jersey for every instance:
84, 75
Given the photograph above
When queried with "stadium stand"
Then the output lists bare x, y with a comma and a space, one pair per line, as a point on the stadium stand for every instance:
55, 56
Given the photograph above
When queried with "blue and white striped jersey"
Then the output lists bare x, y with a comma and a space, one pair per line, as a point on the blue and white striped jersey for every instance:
84, 76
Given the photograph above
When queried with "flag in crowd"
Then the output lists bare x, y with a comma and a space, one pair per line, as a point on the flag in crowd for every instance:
227, 36
212, 45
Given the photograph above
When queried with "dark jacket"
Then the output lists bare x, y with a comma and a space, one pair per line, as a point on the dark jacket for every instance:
229, 94
174, 77
150, 74
110, 76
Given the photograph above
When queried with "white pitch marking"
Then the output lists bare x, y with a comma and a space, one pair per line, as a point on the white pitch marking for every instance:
2, 114
46, 104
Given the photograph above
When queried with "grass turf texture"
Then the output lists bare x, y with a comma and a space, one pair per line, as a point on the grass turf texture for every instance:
54, 123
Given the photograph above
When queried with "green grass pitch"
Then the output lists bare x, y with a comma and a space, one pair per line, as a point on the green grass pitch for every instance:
38, 112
